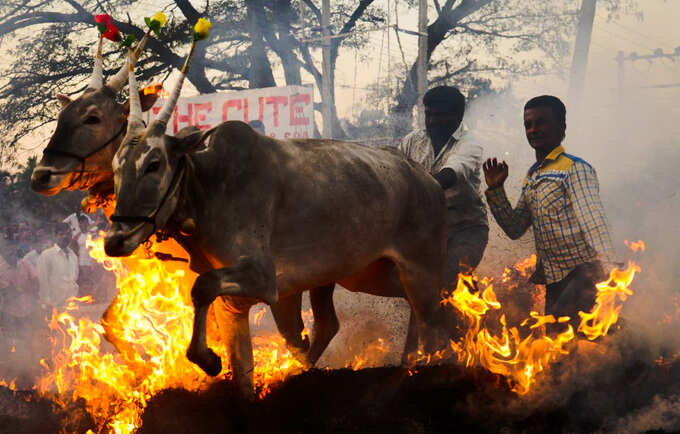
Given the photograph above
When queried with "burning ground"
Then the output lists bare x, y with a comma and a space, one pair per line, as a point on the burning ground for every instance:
595, 389
503, 375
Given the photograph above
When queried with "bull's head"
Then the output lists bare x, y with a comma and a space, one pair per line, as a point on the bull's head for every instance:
149, 173
89, 130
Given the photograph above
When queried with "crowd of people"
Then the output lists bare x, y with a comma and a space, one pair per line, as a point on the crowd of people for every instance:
40, 268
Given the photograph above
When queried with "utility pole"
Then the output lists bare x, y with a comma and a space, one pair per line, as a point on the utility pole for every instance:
581, 49
326, 78
659, 53
422, 60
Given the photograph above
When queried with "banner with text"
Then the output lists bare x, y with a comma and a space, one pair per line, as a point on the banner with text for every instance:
286, 112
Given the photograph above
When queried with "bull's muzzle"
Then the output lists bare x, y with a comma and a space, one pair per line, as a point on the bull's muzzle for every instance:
45, 181
122, 240
114, 243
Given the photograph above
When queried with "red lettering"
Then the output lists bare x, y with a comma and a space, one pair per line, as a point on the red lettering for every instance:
236, 103
276, 100
260, 101
286, 135
177, 118
245, 110
296, 111
201, 109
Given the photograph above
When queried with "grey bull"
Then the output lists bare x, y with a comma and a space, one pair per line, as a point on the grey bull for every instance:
273, 218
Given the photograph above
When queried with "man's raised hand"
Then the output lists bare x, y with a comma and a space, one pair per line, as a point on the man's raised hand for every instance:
495, 173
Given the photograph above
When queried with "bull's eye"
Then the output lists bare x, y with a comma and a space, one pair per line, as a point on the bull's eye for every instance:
91, 120
152, 167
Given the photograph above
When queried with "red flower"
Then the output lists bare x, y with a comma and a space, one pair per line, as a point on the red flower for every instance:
112, 33
104, 19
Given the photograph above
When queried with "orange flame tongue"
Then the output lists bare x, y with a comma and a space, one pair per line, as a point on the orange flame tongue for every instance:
153, 89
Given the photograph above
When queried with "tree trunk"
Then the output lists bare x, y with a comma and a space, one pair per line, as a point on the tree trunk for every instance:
402, 112
284, 15
260, 74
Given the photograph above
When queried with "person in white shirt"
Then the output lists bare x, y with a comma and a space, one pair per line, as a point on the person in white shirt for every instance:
58, 270
455, 161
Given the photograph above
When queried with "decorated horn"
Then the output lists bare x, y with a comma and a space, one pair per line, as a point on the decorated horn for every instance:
98, 71
200, 32
169, 106
117, 82
135, 121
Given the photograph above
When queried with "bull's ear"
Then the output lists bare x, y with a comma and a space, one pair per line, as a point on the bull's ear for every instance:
189, 139
63, 100
147, 102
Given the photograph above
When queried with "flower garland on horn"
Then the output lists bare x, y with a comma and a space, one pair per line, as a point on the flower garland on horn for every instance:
108, 30
200, 32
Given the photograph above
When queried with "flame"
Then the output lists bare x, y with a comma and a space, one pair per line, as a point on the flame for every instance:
12, 385
373, 355
635, 246
524, 267
154, 89
606, 311
517, 358
154, 315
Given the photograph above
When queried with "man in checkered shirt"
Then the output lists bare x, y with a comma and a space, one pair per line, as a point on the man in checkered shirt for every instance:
560, 199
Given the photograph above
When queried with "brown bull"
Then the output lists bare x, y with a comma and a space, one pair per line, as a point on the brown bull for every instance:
89, 130
273, 218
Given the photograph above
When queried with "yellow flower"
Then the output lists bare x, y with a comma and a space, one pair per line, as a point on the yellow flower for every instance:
201, 29
160, 17
156, 22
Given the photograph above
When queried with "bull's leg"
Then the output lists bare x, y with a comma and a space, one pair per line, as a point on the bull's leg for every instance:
326, 323
248, 279
232, 318
288, 319
422, 285
411, 344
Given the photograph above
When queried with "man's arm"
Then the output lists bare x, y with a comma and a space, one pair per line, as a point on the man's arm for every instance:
446, 177
584, 193
514, 222
461, 165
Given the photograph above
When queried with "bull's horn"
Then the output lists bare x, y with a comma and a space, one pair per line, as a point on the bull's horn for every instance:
98, 71
169, 106
117, 82
135, 121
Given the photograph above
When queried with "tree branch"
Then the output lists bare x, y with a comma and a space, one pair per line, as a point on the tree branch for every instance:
316, 11
189, 12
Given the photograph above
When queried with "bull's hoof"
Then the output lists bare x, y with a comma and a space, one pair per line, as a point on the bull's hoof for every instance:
208, 361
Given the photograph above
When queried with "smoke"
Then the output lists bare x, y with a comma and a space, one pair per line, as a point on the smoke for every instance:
663, 414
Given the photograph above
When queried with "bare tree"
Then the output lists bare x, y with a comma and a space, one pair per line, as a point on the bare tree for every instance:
515, 37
